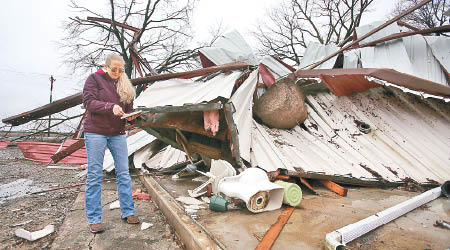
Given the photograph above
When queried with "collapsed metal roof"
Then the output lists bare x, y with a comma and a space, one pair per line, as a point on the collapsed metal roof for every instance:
401, 125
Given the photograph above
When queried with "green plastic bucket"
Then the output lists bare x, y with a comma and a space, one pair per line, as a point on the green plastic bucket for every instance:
292, 193
218, 204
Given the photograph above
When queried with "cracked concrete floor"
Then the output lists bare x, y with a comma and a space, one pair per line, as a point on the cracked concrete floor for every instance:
74, 233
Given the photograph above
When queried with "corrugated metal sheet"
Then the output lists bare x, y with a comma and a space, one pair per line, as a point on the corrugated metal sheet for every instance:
228, 48
390, 55
440, 47
42, 151
409, 138
176, 92
166, 158
277, 69
389, 30
423, 61
242, 100
315, 52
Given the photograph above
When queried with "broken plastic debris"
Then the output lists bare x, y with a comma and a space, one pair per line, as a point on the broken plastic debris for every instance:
189, 200
146, 225
32, 236
114, 205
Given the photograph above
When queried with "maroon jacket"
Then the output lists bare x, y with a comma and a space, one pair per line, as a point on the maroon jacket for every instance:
99, 97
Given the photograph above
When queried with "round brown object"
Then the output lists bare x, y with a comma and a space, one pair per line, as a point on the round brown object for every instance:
282, 106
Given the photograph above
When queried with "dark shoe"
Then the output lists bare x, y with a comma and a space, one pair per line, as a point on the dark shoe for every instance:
132, 219
96, 228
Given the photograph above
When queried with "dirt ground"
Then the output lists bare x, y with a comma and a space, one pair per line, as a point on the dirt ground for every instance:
65, 209
19, 177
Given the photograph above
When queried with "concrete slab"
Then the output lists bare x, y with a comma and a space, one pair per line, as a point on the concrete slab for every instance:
318, 215
74, 233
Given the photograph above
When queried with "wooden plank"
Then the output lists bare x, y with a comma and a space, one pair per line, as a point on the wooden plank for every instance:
67, 151
272, 234
306, 183
334, 187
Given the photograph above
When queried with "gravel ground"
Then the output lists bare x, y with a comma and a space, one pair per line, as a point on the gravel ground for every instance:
19, 177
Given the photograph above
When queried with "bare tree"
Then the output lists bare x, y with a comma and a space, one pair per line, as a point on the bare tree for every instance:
158, 31
292, 25
429, 16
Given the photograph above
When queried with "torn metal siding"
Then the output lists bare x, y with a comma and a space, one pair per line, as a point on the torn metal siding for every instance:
277, 69
314, 52
230, 47
42, 151
440, 47
242, 100
409, 138
423, 61
176, 92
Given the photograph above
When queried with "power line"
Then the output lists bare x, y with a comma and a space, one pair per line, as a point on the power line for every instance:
33, 73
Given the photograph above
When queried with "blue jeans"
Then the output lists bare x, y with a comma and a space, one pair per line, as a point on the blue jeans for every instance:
95, 149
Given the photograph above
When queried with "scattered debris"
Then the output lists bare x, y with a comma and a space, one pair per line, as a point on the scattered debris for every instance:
442, 223
292, 193
140, 195
32, 236
146, 225
22, 223
272, 234
114, 205
189, 200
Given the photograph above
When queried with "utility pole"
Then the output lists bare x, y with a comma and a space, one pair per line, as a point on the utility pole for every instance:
51, 91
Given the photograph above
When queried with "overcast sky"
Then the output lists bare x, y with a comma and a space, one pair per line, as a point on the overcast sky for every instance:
29, 55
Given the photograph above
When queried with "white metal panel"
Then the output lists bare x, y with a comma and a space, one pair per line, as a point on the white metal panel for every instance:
440, 47
228, 48
316, 52
423, 61
278, 70
166, 158
242, 100
176, 92
389, 30
390, 55
351, 59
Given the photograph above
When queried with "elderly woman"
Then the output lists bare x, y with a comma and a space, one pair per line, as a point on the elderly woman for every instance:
107, 97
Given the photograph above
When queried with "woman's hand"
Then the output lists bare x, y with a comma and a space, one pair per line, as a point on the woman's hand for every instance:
117, 110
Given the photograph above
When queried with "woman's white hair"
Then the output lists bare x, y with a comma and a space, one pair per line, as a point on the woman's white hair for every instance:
124, 88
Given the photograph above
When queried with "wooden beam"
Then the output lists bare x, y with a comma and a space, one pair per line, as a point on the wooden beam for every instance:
67, 151
334, 187
272, 234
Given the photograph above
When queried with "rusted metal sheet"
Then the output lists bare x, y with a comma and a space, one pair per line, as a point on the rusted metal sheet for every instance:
272, 234
68, 151
267, 77
46, 110
4, 144
347, 81
42, 151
